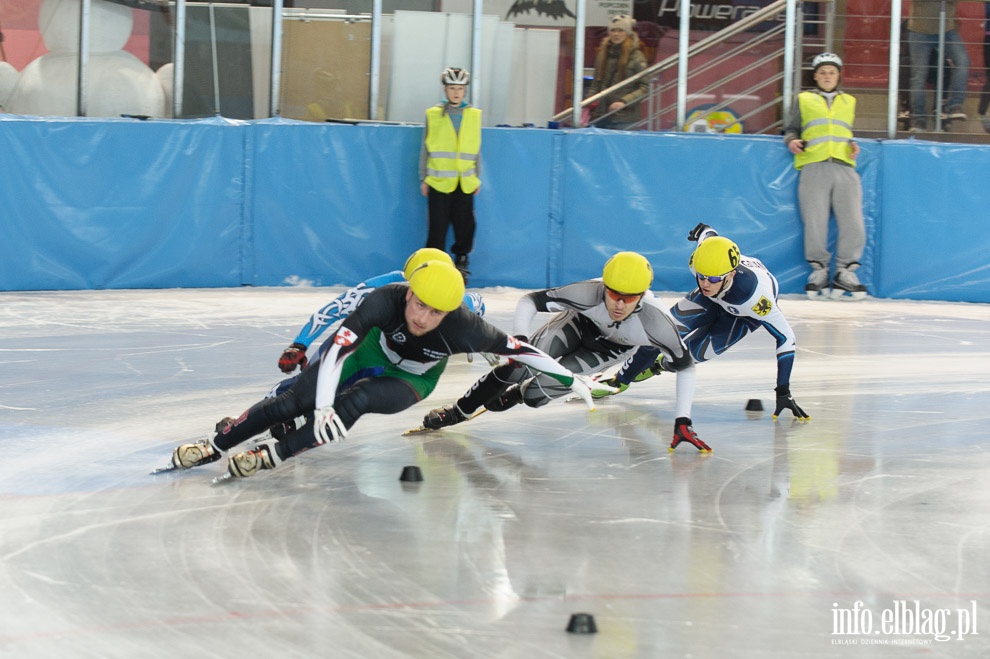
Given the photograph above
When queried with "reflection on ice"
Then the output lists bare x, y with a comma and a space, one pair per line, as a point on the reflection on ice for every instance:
523, 517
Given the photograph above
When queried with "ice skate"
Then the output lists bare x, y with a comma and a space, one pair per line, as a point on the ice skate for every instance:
684, 432
249, 463
510, 398
656, 368
817, 285
846, 281
187, 456
442, 417
603, 388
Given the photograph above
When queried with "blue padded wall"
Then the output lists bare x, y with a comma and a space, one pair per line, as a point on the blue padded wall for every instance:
217, 203
121, 204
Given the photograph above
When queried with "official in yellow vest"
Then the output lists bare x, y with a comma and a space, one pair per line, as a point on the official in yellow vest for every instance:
820, 135
449, 168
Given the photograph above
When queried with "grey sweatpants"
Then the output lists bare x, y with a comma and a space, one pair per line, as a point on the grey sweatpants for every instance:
823, 188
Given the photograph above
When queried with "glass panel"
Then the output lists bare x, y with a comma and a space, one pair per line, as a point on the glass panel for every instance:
22, 45
326, 64
39, 74
326, 58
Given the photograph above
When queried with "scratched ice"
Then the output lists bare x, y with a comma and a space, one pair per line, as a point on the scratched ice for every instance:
773, 546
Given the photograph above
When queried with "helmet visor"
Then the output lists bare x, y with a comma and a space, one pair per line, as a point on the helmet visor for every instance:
628, 298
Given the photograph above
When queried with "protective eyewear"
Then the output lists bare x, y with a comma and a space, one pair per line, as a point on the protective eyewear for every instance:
714, 280
622, 297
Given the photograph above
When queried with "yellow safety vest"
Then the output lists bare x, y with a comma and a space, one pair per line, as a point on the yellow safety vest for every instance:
452, 156
826, 131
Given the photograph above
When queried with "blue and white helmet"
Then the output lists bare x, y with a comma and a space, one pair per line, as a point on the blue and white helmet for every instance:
475, 303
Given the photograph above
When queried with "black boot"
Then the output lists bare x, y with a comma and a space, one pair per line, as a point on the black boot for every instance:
442, 417
461, 263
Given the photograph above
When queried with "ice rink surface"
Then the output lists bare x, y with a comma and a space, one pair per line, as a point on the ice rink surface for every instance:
864, 533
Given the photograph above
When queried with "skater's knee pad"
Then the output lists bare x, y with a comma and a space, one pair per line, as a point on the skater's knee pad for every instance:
675, 365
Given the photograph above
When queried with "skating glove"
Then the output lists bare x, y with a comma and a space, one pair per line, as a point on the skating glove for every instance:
701, 232
786, 402
327, 426
294, 355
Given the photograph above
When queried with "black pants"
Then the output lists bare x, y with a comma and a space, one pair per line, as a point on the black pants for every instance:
570, 338
379, 395
985, 93
448, 209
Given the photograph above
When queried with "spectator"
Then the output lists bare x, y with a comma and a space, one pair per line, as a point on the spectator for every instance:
619, 56
985, 93
923, 37
450, 168
819, 134
904, 78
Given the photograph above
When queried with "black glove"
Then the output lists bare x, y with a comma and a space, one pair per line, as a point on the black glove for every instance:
786, 402
294, 355
697, 232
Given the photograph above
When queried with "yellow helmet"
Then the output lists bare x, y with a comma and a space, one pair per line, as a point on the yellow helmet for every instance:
438, 284
421, 256
715, 257
628, 272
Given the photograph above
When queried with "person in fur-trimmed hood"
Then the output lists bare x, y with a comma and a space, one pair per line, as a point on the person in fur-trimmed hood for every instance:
619, 56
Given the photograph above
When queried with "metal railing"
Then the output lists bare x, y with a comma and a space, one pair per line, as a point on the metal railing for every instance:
655, 71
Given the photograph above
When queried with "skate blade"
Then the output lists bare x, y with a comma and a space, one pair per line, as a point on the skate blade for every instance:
423, 429
842, 294
222, 478
162, 470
